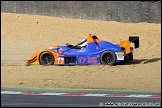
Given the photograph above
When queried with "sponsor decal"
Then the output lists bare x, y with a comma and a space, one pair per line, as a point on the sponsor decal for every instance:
60, 60
125, 43
120, 55
82, 59
92, 59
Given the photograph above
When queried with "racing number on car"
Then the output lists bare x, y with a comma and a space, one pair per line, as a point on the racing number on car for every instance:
60, 60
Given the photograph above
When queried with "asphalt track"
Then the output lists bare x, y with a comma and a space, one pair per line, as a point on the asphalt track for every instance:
77, 98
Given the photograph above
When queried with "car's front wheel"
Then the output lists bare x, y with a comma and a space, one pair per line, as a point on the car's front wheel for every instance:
46, 58
108, 58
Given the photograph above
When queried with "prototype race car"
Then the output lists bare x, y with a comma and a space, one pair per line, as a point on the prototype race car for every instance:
97, 51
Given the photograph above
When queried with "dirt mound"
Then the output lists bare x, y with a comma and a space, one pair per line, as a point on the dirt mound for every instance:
22, 35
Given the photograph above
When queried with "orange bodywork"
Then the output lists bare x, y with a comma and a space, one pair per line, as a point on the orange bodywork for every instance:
34, 59
126, 45
90, 39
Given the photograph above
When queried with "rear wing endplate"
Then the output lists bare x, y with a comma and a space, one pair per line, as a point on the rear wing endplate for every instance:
135, 40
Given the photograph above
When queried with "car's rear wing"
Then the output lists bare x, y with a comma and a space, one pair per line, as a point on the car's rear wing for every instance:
126, 44
135, 40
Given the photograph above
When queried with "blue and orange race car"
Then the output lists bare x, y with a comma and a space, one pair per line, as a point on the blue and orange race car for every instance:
96, 51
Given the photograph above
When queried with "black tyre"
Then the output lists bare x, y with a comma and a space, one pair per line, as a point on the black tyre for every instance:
46, 58
108, 58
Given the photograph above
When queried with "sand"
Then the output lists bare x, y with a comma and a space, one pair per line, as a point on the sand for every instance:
22, 35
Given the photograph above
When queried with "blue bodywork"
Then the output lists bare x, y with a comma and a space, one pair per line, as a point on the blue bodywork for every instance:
91, 54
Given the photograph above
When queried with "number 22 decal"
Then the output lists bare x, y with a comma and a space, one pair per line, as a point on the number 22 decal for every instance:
60, 60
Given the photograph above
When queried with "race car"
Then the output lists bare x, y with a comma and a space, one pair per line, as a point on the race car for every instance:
96, 51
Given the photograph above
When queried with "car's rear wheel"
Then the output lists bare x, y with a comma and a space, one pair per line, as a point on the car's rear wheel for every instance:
46, 58
108, 58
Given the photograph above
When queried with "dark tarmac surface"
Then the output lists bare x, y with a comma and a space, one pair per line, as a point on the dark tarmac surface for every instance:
21, 100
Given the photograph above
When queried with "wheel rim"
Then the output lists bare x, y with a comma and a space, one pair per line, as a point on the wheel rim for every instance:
107, 58
47, 59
